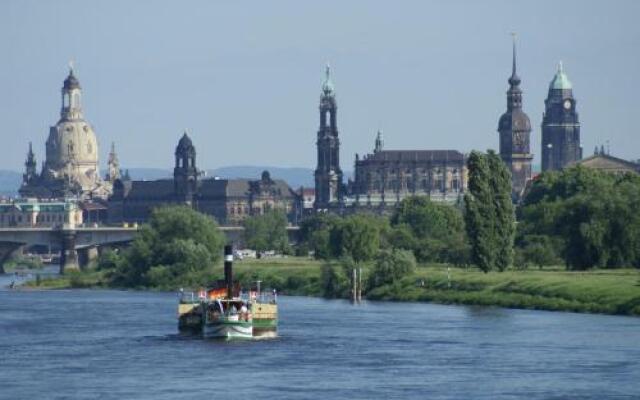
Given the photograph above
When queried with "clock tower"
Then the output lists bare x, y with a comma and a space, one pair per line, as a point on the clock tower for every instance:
514, 128
560, 125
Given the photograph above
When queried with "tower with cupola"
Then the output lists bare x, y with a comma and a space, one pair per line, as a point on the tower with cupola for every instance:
185, 173
560, 125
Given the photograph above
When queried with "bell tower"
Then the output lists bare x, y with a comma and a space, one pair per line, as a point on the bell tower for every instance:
514, 128
328, 175
185, 173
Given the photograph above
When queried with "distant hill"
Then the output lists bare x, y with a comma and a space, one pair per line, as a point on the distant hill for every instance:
10, 182
149, 174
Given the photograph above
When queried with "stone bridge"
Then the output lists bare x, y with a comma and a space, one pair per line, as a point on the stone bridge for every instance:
79, 245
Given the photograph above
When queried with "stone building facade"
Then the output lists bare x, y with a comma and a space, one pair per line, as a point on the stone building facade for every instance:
385, 177
36, 213
607, 163
229, 201
71, 165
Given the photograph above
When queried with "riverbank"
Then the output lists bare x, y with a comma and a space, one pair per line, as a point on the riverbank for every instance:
597, 291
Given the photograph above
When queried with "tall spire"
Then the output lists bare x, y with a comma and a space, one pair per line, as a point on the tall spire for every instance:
379, 145
327, 85
514, 80
113, 164
30, 166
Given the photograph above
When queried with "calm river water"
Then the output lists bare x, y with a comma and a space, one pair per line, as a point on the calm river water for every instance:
90, 344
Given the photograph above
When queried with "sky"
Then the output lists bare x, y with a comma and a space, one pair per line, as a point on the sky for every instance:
244, 77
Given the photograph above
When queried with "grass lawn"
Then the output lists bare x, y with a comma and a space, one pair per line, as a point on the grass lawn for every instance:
599, 291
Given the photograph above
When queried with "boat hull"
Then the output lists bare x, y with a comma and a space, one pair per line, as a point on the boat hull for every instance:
227, 330
265, 328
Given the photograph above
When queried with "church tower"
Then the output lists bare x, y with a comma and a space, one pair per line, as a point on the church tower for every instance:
30, 165
328, 175
514, 128
560, 125
185, 173
113, 165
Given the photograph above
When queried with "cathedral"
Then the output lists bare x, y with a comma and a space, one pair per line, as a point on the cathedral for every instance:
514, 129
229, 201
384, 177
71, 165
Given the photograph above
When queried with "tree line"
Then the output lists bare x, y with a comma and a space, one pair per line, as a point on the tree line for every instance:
578, 217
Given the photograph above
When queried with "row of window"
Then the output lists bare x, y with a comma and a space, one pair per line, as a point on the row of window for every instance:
40, 218
405, 185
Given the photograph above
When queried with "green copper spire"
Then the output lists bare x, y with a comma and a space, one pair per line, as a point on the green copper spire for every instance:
560, 80
327, 85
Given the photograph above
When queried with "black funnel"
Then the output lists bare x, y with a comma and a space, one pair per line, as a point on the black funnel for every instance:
228, 269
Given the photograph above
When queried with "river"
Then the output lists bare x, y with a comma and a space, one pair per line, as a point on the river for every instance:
104, 344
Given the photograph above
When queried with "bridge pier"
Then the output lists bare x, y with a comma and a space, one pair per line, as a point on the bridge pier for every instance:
68, 253
7, 249
86, 255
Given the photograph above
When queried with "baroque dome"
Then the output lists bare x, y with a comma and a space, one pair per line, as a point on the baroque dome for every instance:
72, 141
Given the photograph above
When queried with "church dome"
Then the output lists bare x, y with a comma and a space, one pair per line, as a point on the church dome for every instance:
72, 141
560, 81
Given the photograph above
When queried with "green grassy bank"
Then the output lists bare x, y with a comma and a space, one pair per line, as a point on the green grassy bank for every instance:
598, 291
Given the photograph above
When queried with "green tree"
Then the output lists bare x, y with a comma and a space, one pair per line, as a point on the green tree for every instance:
390, 266
176, 242
505, 224
267, 231
594, 216
315, 232
357, 237
335, 281
480, 213
427, 228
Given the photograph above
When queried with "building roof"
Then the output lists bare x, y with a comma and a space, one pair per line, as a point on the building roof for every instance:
560, 80
609, 163
159, 189
436, 156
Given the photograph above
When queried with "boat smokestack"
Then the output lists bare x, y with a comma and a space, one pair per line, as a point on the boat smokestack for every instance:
228, 269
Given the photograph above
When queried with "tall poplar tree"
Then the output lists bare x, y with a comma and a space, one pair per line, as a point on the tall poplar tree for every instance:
479, 214
505, 227
489, 215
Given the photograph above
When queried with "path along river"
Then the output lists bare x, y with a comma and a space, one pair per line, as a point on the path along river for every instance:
104, 344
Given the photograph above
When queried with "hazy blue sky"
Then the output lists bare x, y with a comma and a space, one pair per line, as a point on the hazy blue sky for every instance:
244, 77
